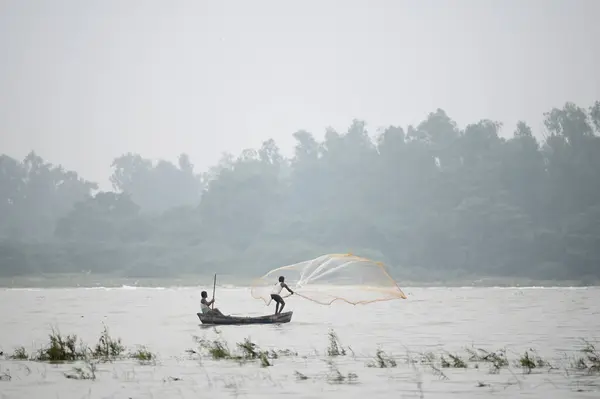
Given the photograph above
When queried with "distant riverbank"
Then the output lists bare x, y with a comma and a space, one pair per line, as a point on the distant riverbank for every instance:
110, 281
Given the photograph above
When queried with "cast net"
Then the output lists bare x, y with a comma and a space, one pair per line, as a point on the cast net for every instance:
333, 277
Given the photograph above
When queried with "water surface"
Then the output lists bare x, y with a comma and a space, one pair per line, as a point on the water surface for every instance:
551, 320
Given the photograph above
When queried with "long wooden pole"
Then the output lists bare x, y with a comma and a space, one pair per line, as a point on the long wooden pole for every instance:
214, 287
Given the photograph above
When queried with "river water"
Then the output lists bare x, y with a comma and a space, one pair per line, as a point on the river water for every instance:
439, 320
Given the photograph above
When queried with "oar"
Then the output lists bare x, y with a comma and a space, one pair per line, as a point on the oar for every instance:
214, 287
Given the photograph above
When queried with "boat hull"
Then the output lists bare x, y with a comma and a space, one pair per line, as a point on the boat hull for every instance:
285, 317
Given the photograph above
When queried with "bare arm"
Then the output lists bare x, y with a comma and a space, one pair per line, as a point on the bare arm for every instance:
287, 288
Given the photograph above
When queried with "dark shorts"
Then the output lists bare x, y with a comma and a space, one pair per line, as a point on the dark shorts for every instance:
277, 298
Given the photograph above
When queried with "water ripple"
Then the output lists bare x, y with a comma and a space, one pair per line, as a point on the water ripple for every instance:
552, 320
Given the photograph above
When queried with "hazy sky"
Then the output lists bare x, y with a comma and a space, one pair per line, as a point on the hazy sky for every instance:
82, 82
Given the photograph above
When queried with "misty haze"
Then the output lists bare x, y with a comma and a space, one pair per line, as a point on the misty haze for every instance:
153, 150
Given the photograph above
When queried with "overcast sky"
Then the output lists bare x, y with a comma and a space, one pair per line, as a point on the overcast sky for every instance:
82, 82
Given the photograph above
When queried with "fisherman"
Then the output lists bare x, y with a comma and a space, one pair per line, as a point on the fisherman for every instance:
275, 294
205, 305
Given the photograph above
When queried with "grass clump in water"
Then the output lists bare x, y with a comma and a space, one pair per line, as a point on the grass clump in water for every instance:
249, 349
336, 377
66, 349
335, 348
590, 360
497, 359
19, 354
5, 375
382, 360
61, 349
216, 348
300, 376
219, 350
246, 351
455, 362
528, 363
107, 347
264, 359
143, 355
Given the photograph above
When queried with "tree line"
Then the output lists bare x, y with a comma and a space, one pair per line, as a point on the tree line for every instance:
430, 200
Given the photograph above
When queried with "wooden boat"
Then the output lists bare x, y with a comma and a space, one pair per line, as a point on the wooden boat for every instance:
285, 317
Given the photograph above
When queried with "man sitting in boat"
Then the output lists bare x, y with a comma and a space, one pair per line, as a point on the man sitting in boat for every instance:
205, 305
275, 294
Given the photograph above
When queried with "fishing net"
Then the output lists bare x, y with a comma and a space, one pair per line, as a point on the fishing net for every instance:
333, 277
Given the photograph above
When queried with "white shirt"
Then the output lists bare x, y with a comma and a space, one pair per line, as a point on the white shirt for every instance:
277, 289
204, 307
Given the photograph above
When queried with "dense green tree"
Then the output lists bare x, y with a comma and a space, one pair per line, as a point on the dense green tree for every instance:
34, 194
156, 187
433, 201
